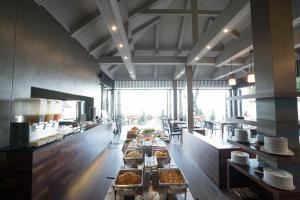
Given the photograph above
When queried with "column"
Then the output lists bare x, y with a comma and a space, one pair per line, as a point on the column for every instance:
189, 94
175, 116
274, 59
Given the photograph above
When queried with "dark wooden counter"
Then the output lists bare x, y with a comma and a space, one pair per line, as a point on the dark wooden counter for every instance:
211, 155
44, 172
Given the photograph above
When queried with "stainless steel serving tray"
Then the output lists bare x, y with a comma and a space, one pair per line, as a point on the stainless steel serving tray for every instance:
133, 161
172, 188
162, 160
133, 189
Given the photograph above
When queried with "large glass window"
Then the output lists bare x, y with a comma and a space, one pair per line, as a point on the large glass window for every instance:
248, 105
144, 107
208, 105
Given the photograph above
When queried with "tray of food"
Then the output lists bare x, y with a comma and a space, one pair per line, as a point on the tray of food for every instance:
129, 182
171, 181
133, 157
162, 155
132, 133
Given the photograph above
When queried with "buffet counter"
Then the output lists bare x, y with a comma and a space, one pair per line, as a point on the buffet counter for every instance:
209, 154
44, 172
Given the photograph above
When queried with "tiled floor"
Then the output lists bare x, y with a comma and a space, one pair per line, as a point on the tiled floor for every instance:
94, 181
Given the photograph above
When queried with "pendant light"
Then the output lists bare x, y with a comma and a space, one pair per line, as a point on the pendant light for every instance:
231, 80
251, 75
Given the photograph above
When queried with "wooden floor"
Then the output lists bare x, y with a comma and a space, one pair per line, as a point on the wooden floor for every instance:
93, 183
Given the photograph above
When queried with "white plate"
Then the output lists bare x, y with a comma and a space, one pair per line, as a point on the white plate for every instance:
279, 187
235, 140
233, 161
289, 153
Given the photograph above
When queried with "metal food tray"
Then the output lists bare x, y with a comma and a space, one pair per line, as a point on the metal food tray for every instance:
133, 161
162, 160
172, 188
133, 189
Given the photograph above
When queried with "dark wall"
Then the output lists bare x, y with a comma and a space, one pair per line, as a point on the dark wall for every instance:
45, 56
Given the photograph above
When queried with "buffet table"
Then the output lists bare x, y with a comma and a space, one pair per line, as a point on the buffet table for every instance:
44, 172
151, 189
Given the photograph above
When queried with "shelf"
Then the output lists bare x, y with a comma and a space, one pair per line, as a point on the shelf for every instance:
265, 96
265, 124
251, 148
250, 172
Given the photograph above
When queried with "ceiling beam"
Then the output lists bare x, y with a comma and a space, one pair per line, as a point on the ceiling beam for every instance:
241, 46
228, 70
195, 71
195, 32
178, 72
85, 23
174, 49
135, 12
136, 33
112, 69
233, 13
105, 69
236, 48
181, 12
157, 38
155, 60
183, 27
111, 14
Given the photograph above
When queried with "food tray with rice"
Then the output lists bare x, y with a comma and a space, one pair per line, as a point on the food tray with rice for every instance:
133, 157
171, 181
128, 182
162, 155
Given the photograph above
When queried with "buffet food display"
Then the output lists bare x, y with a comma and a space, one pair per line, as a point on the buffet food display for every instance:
147, 168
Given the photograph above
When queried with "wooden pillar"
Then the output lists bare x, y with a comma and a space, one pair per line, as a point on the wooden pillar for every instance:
274, 60
189, 94
175, 116
102, 96
112, 107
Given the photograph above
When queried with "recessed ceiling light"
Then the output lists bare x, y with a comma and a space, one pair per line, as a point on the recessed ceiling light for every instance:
125, 57
121, 45
197, 58
113, 28
208, 47
225, 30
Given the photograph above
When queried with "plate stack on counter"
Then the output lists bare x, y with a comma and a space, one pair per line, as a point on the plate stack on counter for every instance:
147, 168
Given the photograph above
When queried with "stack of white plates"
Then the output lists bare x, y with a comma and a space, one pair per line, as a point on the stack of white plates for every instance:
278, 178
239, 157
241, 135
276, 145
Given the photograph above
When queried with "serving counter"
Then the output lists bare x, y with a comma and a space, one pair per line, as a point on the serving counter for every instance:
209, 154
44, 172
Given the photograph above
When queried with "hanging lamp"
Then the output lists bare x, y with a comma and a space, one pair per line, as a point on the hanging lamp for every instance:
251, 75
231, 80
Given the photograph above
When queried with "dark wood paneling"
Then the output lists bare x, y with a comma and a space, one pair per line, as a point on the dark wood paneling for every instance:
45, 172
45, 57
209, 156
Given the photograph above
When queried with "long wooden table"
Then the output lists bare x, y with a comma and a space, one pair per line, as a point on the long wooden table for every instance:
44, 172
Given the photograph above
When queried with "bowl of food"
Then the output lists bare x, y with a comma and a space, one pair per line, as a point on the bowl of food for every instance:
162, 156
133, 157
172, 181
129, 182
